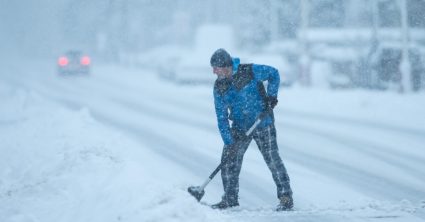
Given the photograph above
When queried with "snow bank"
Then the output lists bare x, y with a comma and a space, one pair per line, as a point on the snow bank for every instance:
62, 165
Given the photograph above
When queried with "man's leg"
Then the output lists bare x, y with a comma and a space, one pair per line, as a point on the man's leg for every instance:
230, 172
266, 141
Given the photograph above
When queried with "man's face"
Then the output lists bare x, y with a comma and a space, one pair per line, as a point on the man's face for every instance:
223, 72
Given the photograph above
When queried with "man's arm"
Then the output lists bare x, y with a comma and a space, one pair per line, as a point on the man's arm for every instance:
269, 74
221, 110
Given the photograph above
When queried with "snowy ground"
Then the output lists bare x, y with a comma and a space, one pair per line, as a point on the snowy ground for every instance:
122, 145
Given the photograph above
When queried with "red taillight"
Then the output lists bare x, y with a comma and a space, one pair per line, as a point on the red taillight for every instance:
85, 60
63, 61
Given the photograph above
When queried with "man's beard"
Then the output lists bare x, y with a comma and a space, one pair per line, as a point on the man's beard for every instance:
221, 77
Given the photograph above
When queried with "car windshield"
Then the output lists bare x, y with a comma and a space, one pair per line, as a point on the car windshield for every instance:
73, 54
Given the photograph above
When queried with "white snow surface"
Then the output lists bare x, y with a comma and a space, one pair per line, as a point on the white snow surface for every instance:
123, 145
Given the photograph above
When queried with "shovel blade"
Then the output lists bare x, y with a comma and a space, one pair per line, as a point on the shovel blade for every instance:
196, 192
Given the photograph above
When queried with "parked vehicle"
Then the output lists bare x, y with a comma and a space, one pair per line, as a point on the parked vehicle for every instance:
191, 65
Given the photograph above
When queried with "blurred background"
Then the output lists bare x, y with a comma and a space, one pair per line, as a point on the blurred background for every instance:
373, 44
107, 109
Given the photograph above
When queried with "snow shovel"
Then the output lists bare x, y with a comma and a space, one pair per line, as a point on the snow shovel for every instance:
198, 191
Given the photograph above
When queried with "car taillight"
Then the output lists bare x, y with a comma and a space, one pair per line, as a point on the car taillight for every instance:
85, 60
63, 61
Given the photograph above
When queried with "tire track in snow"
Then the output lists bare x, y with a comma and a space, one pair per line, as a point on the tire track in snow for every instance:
151, 94
145, 103
402, 161
418, 133
357, 179
366, 138
166, 116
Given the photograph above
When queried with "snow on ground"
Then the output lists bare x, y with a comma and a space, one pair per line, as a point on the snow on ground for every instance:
62, 165
121, 145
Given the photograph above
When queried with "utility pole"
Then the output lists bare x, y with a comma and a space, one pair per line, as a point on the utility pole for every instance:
304, 57
375, 23
406, 81
274, 20
372, 79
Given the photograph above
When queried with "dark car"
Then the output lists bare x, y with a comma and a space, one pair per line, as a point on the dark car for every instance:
74, 62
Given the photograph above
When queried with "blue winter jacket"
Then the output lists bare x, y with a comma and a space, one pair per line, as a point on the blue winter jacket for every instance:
244, 106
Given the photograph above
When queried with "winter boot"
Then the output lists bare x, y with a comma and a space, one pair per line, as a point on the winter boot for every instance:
286, 203
224, 204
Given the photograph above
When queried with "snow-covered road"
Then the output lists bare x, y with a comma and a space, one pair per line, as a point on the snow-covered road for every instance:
352, 156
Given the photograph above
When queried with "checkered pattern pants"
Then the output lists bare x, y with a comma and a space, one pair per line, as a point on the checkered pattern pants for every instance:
266, 142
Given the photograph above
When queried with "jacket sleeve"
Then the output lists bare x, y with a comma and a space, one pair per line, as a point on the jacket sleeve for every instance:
269, 74
222, 112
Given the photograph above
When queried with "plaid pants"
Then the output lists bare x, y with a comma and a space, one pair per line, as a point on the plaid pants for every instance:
266, 142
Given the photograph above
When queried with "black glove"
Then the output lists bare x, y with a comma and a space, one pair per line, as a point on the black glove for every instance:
271, 101
239, 137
